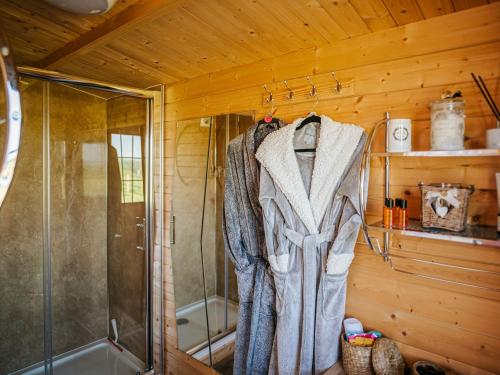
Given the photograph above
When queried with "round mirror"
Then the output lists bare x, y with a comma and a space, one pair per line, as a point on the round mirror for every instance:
10, 118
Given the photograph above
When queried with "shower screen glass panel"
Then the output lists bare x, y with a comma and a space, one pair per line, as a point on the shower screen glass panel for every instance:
21, 242
78, 304
97, 220
198, 186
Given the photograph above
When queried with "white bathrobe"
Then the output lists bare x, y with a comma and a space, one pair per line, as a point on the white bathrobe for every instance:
310, 204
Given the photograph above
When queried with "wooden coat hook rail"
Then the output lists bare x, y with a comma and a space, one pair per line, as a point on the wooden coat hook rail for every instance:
307, 89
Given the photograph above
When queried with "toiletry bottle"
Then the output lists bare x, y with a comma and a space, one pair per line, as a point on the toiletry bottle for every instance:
395, 213
403, 219
388, 212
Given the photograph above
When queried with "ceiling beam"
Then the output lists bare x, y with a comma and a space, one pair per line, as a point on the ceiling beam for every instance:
119, 24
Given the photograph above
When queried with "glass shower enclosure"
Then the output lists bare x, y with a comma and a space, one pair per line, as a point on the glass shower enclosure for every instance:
205, 289
77, 235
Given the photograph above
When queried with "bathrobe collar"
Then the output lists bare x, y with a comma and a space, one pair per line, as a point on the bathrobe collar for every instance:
252, 174
252, 139
335, 147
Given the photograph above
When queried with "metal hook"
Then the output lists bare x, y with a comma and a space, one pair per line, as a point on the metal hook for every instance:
338, 85
289, 96
269, 99
313, 91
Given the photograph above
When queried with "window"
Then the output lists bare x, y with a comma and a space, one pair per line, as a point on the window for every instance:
128, 148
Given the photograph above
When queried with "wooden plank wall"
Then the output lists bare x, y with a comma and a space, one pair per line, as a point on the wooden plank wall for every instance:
400, 70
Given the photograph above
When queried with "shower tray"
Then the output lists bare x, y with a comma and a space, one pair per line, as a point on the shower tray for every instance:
97, 358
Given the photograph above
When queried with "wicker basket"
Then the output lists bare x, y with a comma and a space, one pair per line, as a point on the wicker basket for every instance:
445, 205
356, 360
386, 358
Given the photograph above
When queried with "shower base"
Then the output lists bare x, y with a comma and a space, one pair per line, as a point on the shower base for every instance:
97, 358
192, 330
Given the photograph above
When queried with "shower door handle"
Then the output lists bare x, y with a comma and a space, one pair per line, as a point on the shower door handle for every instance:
172, 230
13, 120
140, 225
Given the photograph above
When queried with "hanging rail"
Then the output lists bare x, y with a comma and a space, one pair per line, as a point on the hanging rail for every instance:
307, 88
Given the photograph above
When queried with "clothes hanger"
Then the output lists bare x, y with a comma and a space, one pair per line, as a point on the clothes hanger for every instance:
312, 117
309, 119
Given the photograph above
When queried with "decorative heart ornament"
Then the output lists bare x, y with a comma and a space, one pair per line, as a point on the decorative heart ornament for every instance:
443, 202
441, 210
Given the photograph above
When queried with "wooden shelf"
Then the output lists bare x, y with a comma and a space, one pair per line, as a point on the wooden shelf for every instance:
458, 153
474, 234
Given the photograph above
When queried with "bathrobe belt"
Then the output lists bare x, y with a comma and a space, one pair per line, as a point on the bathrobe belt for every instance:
309, 245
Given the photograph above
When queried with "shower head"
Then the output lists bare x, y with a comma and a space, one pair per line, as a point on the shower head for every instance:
83, 6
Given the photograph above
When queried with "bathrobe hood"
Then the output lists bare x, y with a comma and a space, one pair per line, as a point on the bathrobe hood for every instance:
336, 144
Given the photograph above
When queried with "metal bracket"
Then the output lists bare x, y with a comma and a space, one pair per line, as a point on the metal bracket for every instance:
140, 224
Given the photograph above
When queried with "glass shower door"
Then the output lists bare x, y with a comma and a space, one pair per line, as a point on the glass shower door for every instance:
205, 289
77, 217
97, 230
191, 154
74, 245
21, 243
127, 250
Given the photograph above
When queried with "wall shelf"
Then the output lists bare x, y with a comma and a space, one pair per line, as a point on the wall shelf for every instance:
458, 153
474, 234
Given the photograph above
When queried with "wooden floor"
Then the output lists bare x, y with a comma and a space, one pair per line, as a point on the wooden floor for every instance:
225, 367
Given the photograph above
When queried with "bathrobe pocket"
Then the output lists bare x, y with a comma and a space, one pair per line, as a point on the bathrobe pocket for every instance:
280, 283
246, 281
333, 292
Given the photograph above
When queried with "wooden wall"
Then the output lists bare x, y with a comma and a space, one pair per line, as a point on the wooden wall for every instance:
399, 70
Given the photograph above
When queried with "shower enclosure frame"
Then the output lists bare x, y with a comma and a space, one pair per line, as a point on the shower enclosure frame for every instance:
153, 238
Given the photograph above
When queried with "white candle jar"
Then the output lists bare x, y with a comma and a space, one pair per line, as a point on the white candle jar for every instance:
447, 124
399, 137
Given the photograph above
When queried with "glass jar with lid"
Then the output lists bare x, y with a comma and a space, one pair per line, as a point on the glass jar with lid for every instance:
448, 124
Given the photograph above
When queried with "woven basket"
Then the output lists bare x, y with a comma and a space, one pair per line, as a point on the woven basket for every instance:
356, 359
438, 198
386, 358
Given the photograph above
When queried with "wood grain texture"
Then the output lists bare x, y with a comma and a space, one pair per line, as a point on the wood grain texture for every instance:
142, 11
404, 11
451, 324
147, 42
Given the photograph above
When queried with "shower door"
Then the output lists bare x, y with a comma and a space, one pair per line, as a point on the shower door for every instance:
97, 219
76, 235
21, 244
205, 287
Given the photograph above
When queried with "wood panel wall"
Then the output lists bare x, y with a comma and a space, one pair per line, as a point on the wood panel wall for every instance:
399, 70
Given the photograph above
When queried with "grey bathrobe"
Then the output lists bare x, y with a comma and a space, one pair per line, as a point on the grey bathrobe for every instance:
245, 244
311, 219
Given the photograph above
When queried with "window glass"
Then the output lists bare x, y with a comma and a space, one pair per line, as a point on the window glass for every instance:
129, 151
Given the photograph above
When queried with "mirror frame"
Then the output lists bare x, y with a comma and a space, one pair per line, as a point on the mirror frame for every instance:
13, 119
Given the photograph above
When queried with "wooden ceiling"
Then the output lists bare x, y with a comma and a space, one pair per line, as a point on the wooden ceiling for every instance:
146, 42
